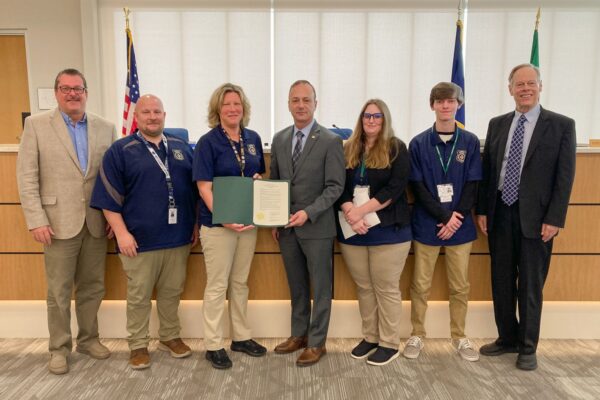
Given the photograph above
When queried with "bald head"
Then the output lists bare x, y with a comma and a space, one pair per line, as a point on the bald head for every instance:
150, 116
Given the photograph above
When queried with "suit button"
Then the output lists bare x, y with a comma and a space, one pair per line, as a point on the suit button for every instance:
83, 200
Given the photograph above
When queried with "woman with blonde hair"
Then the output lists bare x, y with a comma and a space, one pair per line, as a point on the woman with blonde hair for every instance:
228, 149
377, 169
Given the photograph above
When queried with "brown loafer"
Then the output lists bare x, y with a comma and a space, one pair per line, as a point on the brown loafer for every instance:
291, 344
310, 356
139, 358
176, 347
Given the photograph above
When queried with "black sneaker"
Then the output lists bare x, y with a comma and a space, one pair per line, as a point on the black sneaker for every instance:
249, 347
363, 349
219, 359
382, 356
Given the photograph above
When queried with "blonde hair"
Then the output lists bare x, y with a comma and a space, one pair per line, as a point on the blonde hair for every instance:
385, 148
216, 102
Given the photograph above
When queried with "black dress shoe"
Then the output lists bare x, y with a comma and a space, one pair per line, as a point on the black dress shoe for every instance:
249, 347
494, 349
219, 359
527, 362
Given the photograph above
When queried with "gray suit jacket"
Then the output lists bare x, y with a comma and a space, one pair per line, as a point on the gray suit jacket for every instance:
547, 175
318, 180
53, 189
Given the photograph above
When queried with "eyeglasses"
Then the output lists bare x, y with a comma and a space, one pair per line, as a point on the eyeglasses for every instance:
76, 89
368, 116
521, 85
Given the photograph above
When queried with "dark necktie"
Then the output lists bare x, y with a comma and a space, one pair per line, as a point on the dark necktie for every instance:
297, 149
512, 175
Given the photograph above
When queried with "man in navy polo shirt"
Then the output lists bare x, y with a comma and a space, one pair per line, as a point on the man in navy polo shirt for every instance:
445, 168
146, 192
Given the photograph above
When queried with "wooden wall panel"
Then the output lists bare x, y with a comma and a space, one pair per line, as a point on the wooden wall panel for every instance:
8, 178
23, 277
14, 233
268, 280
582, 231
573, 278
14, 87
586, 188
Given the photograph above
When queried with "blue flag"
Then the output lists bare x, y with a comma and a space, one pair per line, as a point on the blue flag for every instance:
458, 71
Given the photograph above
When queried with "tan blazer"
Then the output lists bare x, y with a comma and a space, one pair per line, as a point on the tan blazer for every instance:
53, 189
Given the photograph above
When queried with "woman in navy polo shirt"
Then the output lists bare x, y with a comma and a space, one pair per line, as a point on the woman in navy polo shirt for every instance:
377, 169
228, 149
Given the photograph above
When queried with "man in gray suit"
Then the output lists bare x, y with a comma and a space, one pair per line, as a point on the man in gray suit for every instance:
312, 159
57, 165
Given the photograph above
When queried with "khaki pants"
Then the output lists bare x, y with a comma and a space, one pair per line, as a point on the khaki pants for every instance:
166, 269
78, 262
228, 257
376, 271
457, 269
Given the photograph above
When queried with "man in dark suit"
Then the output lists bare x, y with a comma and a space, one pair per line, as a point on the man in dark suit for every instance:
312, 159
528, 171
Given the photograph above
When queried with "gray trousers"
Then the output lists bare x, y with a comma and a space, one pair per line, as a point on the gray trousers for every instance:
308, 262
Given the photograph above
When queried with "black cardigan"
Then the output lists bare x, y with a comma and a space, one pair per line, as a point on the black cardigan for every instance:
385, 184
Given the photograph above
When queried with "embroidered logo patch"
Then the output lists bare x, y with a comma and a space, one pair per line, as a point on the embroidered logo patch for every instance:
461, 156
178, 154
251, 149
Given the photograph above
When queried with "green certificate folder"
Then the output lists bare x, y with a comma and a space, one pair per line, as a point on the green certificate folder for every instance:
261, 202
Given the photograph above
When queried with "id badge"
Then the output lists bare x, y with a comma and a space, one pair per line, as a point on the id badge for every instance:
445, 192
361, 195
172, 216
361, 190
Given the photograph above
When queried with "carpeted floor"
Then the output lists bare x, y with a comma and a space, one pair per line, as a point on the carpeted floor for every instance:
568, 369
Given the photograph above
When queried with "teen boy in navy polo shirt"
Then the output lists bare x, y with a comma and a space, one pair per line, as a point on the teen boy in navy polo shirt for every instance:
146, 192
445, 168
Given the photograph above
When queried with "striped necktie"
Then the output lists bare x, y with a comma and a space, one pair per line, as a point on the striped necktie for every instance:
297, 149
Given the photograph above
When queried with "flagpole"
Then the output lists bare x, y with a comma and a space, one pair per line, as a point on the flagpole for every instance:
132, 86
126, 11
458, 69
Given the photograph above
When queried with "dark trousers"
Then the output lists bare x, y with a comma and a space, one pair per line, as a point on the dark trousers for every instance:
308, 263
519, 271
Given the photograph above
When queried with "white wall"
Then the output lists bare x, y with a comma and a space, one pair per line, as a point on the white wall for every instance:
53, 39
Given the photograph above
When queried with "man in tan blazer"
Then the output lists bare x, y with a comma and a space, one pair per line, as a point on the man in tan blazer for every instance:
57, 165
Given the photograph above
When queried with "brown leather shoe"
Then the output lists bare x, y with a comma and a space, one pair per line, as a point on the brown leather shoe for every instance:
291, 344
176, 347
139, 358
310, 356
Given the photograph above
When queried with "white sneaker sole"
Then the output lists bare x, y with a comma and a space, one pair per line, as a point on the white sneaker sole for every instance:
412, 356
365, 356
392, 358
467, 358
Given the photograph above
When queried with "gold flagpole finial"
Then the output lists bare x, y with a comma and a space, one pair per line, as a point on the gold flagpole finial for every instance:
460, 10
126, 11
537, 18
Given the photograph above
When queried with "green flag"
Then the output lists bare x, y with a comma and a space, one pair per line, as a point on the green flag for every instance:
535, 50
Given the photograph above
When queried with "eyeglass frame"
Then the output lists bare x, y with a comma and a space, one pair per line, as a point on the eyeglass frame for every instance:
76, 89
376, 116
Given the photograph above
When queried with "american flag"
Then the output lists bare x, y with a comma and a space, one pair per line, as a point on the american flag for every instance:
132, 89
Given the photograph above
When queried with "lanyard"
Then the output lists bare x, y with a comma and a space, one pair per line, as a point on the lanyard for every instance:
163, 166
445, 167
240, 159
362, 170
